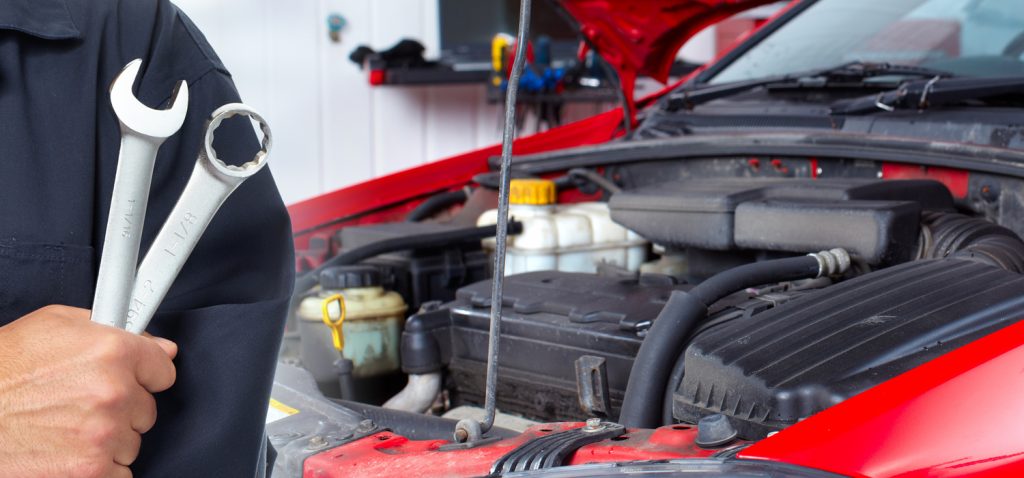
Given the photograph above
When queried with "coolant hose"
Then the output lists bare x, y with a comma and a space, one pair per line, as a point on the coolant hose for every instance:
437, 203
665, 341
418, 395
413, 426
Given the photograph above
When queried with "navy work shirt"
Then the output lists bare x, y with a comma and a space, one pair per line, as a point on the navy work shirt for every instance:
59, 142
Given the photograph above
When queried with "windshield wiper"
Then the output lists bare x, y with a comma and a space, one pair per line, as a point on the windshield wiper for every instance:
922, 95
846, 75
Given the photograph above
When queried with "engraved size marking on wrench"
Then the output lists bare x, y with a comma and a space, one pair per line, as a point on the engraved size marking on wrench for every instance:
126, 230
189, 220
137, 304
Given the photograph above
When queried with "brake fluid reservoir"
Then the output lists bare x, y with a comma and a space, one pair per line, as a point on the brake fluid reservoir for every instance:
372, 327
569, 238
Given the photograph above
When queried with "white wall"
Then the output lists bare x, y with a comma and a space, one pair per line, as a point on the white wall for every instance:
331, 129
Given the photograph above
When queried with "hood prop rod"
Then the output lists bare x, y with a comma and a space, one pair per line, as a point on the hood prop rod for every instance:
469, 430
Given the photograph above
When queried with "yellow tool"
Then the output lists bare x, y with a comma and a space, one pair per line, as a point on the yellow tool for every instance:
499, 49
335, 324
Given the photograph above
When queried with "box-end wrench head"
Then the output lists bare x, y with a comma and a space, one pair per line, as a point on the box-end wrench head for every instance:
211, 183
143, 130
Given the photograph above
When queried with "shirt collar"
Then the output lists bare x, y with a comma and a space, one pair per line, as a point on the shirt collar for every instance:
46, 19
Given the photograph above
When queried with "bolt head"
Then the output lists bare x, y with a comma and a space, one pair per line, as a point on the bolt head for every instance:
593, 423
317, 442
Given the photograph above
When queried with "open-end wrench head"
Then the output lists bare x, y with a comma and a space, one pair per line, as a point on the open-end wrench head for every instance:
258, 162
140, 118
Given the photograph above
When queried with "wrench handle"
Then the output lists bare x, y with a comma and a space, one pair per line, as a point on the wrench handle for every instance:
124, 228
202, 197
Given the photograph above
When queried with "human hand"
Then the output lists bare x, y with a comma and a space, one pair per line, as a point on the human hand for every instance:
76, 396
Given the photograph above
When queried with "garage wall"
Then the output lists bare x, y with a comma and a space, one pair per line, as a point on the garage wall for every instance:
330, 128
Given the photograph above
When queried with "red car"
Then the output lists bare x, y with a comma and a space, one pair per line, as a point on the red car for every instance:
802, 260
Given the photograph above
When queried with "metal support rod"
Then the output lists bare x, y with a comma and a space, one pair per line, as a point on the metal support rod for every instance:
466, 431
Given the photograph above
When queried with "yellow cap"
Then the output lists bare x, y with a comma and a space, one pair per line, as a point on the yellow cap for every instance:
537, 192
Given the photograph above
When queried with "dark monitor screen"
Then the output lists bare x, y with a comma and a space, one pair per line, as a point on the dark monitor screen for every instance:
468, 23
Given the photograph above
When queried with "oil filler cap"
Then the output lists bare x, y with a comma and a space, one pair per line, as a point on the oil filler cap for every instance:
349, 277
532, 192
714, 431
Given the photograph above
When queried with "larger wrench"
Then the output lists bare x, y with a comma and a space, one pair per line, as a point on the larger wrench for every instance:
211, 183
143, 130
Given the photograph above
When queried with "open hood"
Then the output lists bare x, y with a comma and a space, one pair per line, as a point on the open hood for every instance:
642, 37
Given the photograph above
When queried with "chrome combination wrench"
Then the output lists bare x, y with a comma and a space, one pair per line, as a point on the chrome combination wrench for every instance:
211, 183
143, 130
127, 297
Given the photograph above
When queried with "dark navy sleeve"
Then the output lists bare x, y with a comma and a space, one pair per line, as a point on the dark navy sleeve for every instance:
227, 309
59, 142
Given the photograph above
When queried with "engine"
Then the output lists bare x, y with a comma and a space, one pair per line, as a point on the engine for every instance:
925, 280
747, 341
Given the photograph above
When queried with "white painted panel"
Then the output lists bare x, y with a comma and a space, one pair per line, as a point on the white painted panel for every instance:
294, 72
399, 132
451, 122
347, 151
489, 117
271, 49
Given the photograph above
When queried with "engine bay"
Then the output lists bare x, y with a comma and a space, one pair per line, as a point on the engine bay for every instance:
848, 281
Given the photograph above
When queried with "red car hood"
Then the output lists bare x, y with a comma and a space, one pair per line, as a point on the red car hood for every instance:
642, 37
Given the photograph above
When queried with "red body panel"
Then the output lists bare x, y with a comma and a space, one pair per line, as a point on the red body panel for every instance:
959, 415
957, 180
382, 198
643, 37
386, 454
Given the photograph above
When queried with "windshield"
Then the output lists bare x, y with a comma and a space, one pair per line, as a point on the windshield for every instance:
963, 37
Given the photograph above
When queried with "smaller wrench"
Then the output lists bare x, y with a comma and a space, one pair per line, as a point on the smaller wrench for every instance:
211, 183
143, 130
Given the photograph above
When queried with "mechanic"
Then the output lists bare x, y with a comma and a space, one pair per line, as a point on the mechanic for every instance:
77, 397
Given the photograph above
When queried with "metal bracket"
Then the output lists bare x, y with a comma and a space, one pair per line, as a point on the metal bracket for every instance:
592, 385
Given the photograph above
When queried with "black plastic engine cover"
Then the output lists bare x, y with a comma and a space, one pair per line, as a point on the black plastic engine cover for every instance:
767, 371
877, 220
555, 325
568, 340
550, 321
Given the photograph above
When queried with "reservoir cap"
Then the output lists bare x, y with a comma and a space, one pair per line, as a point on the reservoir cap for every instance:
348, 277
534, 192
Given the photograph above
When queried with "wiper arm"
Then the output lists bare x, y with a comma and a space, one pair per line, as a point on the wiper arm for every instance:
925, 94
856, 71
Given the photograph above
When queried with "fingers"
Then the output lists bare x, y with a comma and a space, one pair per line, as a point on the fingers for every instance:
153, 367
170, 348
143, 410
65, 312
120, 471
126, 447
75, 313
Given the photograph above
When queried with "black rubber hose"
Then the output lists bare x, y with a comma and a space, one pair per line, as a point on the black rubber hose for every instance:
643, 404
596, 179
957, 235
757, 273
437, 203
424, 241
414, 426
675, 378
